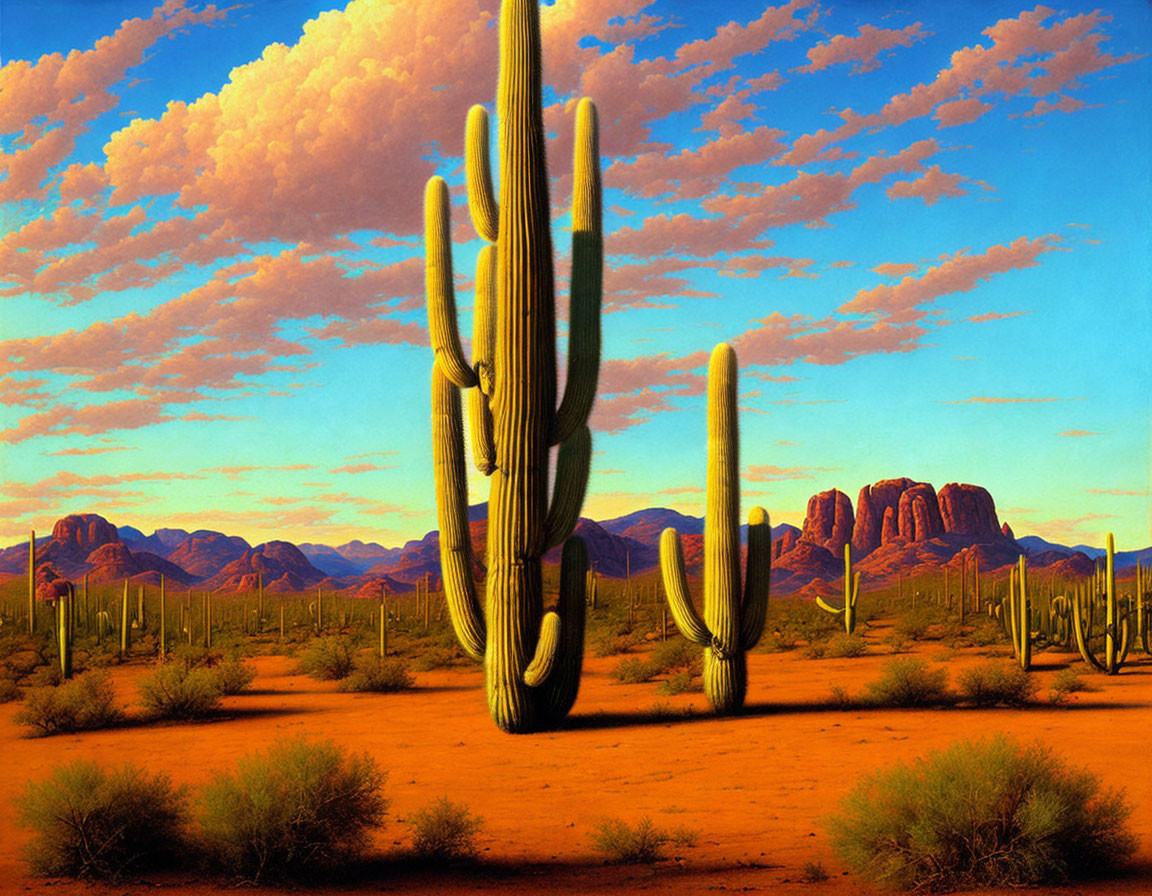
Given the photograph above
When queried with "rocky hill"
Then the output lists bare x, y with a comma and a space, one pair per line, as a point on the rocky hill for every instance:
897, 527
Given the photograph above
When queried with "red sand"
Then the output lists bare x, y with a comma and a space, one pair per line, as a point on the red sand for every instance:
755, 787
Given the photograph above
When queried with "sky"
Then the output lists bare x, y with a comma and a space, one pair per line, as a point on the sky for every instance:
923, 227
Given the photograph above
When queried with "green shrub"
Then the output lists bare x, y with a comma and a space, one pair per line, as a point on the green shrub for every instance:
1067, 681
444, 831
683, 682
813, 873
9, 690
174, 692
677, 654
840, 645
633, 671
79, 704
88, 822
233, 676
329, 658
435, 658
627, 844
907, 681
194, 656
996, 683
992, 813
300, 807
379, 675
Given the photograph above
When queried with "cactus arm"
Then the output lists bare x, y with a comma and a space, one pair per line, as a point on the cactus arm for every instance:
440, 289
1081, 631
478, 173
827, 607
587, 278
757, 578
483, 349
547, 648
564, 683
452, 515
572, 467
675, 578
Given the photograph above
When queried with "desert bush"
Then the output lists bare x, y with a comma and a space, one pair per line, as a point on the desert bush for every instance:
642, 843
813, 873
330, 658
444, 831
677, 654
633, 670
194, 656
840, 645
9, 690
233, 676
907, 681
174, 692
435, 658
662, 709
378, 675
614, 644
298, 808
91, 823
1067, 681
45, 676
914, 625
992, 813
683, 682
79, 704
993, 683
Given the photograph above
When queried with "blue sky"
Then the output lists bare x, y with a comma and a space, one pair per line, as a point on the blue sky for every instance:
923, 227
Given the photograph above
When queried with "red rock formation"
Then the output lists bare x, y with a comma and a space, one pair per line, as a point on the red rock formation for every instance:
969, 510
888, 531
84, 532
784, 543
829, 521
1006, 531
919, 513
872, 507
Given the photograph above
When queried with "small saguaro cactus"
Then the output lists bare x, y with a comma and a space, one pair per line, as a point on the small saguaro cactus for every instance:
532, 659
1117, 631
1020, 615
851, 594
125, 625
32, 583
733, 620
64, 632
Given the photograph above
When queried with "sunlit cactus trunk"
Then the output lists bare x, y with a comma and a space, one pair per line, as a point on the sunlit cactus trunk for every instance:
1117, 629
851, 594
733, 617
32, 583
532, 659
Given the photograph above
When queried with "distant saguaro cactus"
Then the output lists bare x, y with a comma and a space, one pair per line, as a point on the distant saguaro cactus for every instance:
1020, 614
733, 622
1117, 630
851, 594
532, 659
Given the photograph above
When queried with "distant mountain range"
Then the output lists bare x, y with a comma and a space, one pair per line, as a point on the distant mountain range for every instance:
898, 527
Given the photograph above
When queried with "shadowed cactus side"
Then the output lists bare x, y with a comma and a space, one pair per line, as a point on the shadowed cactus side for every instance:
733, 620
1020, 615
851, 594
532, 659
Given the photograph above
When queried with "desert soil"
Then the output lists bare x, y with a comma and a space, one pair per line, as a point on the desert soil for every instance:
756, 787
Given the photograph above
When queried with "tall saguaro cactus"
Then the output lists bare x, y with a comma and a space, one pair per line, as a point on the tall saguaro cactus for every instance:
1020, 614
32, 583
1117, 631
733, 621
532, 659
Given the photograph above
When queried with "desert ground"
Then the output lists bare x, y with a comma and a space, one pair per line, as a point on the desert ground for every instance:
756, 788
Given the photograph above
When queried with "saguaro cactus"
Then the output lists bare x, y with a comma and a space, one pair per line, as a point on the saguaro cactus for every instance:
532, 659
1117, 631
32, 583
733, 622
1020, 615
851, 594
64, 633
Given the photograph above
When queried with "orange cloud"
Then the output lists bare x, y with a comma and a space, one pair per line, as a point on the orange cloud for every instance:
931, 186
863, 50
961, 272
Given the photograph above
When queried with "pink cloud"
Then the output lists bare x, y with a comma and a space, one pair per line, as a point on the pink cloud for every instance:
961, 272
770, 473
995, 315
930, 186
863, 50
1024, 57
894, 269
989, 399
66, 93
361, 468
